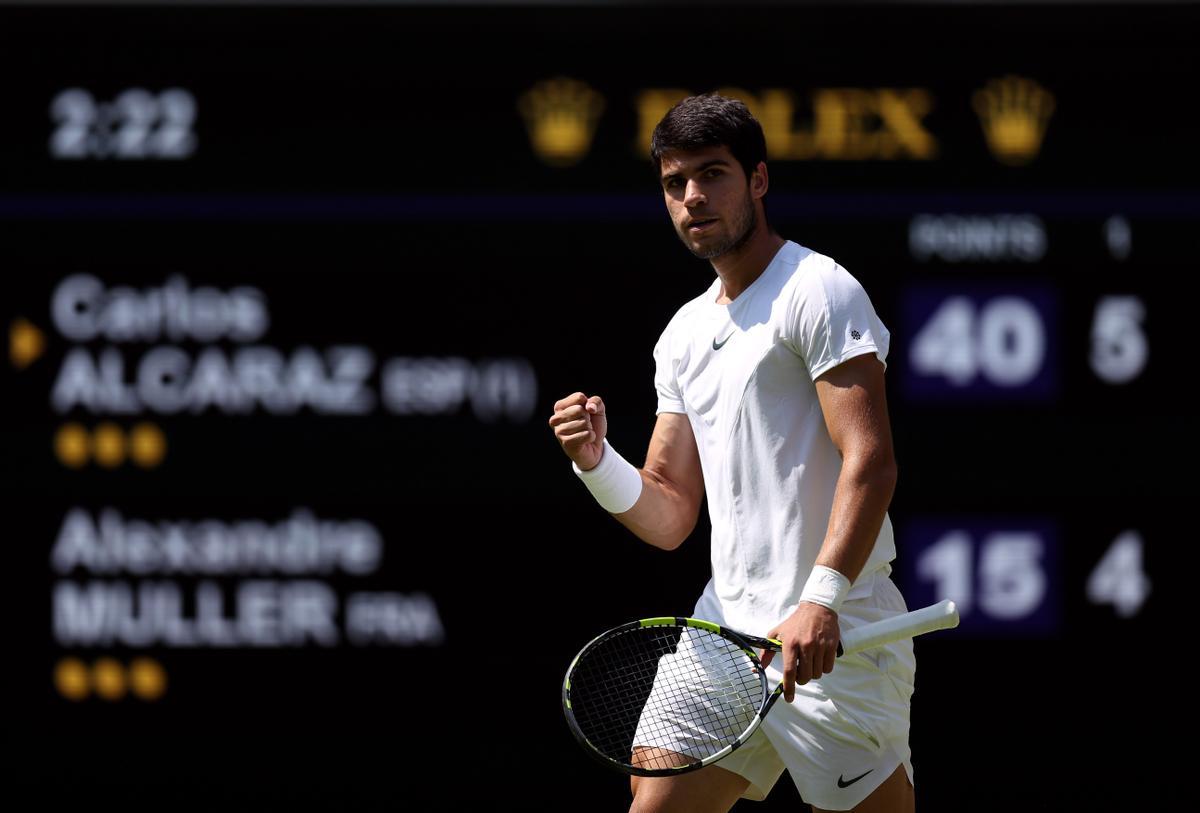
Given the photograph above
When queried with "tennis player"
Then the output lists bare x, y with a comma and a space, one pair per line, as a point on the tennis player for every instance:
771, 401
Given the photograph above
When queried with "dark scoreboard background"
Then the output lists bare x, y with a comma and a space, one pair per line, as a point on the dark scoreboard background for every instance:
290, 293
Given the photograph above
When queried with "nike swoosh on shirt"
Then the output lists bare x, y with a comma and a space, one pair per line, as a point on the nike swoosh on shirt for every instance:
722, 344
844, 784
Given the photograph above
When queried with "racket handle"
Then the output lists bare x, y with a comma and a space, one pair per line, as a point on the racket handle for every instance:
940, 616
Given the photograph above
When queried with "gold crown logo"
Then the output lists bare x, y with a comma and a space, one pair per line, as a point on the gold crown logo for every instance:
561, 116
1014, 113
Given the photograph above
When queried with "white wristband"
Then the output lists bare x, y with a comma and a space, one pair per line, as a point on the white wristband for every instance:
614, 482
826, 587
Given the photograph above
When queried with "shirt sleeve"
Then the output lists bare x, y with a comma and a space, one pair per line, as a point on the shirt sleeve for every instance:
669, 397
832, 320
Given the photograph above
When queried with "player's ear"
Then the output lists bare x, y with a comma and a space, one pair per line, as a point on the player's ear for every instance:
758, 180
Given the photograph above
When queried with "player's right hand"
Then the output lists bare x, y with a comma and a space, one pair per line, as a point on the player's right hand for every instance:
580, 426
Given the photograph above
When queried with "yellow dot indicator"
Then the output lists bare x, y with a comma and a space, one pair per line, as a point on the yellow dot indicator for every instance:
71, 679
147, 445
71, 445
25, 343
147, 678
108, 678
108, 445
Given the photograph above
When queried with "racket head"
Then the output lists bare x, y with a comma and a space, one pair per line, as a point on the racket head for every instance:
689, 689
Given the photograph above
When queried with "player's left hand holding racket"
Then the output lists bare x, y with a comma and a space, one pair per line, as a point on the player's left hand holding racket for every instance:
663, 696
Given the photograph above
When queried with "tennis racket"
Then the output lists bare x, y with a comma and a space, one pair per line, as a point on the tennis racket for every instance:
664, 696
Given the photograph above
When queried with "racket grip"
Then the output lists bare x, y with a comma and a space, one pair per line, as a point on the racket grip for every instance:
940, 616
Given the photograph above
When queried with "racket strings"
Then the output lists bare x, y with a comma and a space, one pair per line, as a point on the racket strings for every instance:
676, 694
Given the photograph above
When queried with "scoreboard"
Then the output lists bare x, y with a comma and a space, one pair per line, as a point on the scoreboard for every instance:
290, 294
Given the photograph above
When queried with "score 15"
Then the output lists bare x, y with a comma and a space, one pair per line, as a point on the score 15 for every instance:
1002, 574
1005, 573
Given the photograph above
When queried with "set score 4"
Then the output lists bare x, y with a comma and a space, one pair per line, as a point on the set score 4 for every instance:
1008, 580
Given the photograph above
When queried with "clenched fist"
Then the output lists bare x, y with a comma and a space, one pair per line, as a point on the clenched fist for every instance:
580, 426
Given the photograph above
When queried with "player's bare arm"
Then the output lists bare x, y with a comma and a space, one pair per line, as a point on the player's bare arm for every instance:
854, 403
668, 508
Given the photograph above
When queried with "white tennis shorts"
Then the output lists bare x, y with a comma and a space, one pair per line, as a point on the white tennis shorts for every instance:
845, 732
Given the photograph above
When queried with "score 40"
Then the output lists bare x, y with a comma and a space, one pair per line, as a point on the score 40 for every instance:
1007, 342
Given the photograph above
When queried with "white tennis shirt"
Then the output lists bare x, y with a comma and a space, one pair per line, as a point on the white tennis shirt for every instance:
743, 374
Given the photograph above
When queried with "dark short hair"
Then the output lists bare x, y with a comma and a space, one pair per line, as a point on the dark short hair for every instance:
710, 120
